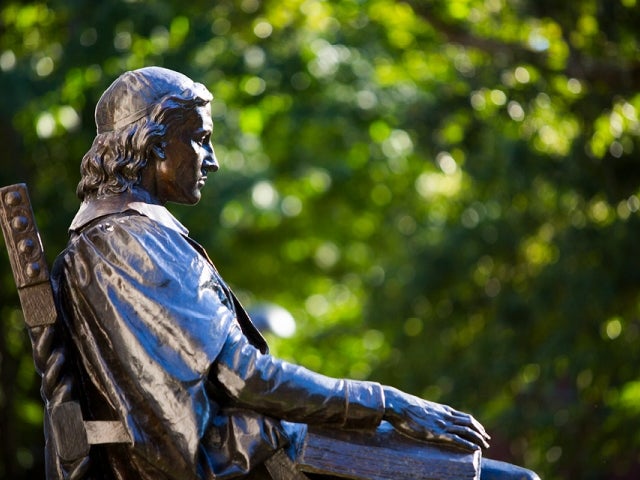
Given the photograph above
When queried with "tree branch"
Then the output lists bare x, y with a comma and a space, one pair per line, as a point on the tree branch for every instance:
612, 73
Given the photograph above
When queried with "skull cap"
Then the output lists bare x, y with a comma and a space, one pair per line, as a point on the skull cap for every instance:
134, 94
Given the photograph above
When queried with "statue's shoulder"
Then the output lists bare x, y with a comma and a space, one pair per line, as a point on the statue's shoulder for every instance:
127, 242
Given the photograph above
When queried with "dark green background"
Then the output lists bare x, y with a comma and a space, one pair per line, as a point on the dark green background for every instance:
445, 194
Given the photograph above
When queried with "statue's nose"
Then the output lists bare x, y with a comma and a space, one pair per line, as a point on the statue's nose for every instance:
210, 162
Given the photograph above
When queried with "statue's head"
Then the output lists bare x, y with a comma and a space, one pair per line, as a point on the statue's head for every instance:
136, 117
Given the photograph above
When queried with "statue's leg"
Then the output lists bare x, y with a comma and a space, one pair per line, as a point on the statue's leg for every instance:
495, 470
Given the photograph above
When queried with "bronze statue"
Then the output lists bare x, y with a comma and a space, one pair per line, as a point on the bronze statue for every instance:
160, 342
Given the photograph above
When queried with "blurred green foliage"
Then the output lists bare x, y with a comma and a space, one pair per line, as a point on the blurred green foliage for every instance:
445, 194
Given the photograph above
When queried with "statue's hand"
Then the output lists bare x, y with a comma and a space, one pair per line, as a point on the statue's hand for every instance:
426, 420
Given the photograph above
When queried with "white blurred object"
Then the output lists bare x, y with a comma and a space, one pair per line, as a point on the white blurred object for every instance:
269, 317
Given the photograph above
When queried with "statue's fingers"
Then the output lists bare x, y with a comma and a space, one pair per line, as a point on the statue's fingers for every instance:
458, 441
477, 426
480, 428
468, 434
468, 420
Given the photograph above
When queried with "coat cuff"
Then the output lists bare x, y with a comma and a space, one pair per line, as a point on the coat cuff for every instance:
365, 405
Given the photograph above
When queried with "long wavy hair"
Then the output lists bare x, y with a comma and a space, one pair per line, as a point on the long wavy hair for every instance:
115, 161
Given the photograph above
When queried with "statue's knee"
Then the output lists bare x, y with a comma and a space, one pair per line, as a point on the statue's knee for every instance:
495, 470
529, 475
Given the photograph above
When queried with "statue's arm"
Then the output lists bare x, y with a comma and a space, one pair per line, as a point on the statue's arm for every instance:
293, 393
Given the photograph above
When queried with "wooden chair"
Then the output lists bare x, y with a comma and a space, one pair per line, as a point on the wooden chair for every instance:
323, 453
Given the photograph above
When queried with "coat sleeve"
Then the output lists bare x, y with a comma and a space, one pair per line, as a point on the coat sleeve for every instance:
291, 392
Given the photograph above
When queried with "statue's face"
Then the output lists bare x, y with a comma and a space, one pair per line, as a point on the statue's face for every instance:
188, 158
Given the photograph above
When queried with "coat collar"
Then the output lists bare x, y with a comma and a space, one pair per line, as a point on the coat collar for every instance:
137, 200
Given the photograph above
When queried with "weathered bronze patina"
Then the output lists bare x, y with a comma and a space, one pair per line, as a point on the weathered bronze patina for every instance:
159, 343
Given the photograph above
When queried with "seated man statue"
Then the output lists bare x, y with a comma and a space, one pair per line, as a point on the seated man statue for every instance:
162, 344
